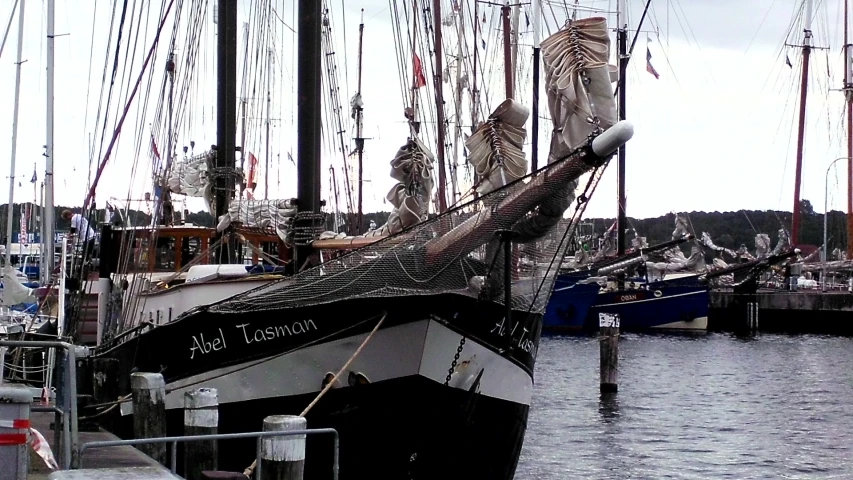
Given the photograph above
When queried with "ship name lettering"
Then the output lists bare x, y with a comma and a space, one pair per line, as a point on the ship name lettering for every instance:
276, 331
199, 344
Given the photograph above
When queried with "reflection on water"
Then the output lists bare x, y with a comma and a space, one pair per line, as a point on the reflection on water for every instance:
709, 406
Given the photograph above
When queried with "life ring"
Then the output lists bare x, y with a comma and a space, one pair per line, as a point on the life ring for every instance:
658, 293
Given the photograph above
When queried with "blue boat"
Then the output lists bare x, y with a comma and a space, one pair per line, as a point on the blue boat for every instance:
678, 304
570, 302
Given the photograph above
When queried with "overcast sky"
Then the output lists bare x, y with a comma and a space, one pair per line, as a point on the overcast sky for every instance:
717, 131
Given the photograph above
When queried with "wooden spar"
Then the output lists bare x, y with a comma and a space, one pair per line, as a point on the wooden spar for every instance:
359, 140
414, 126
848, 95
622, 39
480, 228
331, 72
347, 243
795, 223
475, 94
508, 66
457, 102
243, 150
267, 139
439, 103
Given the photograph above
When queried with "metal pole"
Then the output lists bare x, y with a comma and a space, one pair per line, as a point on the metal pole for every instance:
534, 134
622, 34
49, 244
18, 62
825, 215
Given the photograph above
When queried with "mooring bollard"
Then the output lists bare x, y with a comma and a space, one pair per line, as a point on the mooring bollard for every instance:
201, 417
149, 412
283, 458
608, 324
15, 402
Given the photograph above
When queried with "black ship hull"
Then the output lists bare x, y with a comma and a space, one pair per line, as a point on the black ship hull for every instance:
403, 410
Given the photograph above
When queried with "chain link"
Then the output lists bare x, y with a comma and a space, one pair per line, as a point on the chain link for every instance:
453, 363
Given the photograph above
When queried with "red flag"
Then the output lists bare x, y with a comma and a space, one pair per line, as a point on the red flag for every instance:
157, 162
420, 79
250, 188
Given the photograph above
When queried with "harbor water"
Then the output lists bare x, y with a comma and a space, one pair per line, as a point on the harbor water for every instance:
693, 407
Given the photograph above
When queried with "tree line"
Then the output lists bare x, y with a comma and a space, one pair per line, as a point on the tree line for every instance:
727, 229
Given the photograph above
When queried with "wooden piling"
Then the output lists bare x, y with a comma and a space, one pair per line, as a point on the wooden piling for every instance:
149, 412
105, 382
608, 324
283, 458
201, 417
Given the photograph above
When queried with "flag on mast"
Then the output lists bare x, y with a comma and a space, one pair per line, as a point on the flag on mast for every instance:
420, 79
649, 67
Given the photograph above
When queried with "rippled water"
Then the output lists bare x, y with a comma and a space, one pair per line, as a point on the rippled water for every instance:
694, 407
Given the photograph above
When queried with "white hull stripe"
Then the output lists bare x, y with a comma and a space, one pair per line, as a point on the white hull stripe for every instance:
424, 348
699, 323
652, 299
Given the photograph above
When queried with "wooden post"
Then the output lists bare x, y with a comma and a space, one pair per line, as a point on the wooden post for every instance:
608, 324
283, 458
149, 412
201, 417
105, 385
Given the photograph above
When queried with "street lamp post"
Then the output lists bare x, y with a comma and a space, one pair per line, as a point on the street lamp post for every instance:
825, 215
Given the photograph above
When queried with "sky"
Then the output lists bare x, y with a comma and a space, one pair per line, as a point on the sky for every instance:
716, 131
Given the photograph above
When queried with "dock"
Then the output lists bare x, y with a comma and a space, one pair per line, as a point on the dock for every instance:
782, 311
113, 457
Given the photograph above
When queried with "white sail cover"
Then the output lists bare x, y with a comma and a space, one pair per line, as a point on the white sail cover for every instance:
581, 103
190, 176
412, 167
265, 214
14, 292
578, 83
495, 149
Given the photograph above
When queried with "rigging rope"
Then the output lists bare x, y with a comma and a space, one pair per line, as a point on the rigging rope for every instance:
251, 468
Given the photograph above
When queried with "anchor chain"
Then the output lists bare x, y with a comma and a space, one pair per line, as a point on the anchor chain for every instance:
453, 363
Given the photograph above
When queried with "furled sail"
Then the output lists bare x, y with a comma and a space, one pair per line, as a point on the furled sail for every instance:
190, 176
581, 102
264, 214
412, 167
495, 149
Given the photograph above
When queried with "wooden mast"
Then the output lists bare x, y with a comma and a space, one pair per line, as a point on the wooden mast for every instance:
457, 102
508, 66
475, 94
359, 136
226, 113
848, 96
807, 47
439, 103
